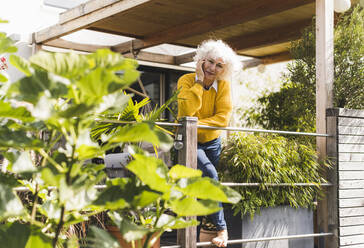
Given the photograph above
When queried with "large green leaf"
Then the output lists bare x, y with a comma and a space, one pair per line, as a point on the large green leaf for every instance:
14, 235
30, 89
126, 192
3, 78
113, 103
145, 198
140, 132
112, 198
18, 139
151, 171
51, 209
166, 222
21, 162
76, 197
165, 140
85, 147
95, 85
19, 113
189, 206
39, 240
70, 65
21, 64
115, 62
101, 238
10, 205
6, 44
180, 171
75, 110
128, 229
107, 59
136, 133
206, 188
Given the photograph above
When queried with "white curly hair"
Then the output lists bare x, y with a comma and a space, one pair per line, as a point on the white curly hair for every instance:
218, 49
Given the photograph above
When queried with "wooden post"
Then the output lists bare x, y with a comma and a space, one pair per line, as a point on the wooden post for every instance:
324, 89
188, 156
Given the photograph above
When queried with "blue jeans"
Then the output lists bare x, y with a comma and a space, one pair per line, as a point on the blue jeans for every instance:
208, 155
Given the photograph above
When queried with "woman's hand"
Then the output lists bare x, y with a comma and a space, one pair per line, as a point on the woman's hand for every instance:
199, 70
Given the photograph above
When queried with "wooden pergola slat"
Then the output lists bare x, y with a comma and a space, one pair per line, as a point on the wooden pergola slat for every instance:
85, 21
277, 35
235, 15
84, 9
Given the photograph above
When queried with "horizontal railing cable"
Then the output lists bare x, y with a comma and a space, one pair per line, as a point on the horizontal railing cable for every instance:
23, 189
172, 124
277, 184
239, 129
240, 241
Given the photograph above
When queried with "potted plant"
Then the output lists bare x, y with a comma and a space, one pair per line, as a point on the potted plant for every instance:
272, 159
208, 230
59, 99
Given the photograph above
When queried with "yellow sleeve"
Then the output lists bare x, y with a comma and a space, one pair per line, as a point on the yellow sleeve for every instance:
223, 107
189, 97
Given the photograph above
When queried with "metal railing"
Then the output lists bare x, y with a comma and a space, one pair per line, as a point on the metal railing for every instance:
241, 241
187, 156
190, 140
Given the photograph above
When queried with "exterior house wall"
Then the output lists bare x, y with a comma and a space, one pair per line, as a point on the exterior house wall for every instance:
350, 176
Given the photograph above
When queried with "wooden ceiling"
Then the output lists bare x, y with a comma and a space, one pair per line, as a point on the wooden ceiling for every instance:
261, 29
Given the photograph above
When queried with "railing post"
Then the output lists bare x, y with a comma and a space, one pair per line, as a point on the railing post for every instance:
188, 156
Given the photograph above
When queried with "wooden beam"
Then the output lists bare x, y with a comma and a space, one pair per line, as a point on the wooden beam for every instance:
275, 58
61, 43
145, 56
86, 20
252, 63
84, 9
185, 58
152, 57
251, 10
266, 60
269, 37
128, 46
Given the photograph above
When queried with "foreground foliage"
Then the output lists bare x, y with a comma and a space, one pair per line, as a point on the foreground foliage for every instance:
45, 135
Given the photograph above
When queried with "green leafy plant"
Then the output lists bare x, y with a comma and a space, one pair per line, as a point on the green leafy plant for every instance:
294, 106
45, 136
270, 159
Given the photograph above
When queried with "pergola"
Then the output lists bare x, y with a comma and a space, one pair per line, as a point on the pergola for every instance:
261, 29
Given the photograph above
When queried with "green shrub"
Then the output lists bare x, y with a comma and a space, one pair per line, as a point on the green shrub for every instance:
270, 159
293, 107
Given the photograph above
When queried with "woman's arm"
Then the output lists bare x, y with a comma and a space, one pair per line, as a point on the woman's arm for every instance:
190, 96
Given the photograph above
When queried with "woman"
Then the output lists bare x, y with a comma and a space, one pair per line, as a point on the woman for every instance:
206, 95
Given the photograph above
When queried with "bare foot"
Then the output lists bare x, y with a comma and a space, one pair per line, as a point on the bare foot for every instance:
221, 239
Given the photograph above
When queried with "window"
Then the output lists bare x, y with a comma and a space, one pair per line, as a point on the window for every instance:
159, 84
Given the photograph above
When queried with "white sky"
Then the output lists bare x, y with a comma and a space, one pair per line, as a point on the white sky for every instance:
26, 16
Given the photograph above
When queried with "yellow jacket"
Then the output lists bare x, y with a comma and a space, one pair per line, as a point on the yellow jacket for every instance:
210, 107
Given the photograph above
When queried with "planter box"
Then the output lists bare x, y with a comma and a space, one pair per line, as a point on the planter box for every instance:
139, 243
277, 221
